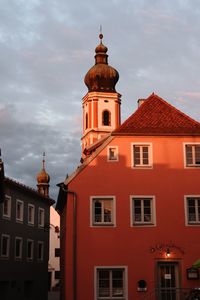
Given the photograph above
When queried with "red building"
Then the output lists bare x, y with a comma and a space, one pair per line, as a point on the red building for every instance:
130, 213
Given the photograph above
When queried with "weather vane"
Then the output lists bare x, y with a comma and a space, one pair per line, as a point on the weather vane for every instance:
43, 161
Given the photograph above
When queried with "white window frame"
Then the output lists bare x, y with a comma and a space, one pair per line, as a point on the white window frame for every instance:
153, 211
32, 249
7, 247
20, 249
113, 213
21, 218
116, 154
41, 222
42, 251
8, 200
125, 282
32, 221
150, 155
187, 222
193, 165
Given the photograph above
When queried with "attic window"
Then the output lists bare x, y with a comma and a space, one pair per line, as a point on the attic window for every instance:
113, 153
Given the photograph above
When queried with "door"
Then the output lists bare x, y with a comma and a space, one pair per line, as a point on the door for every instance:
167, 281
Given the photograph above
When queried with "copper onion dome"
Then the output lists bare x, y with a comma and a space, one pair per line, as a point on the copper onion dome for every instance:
43, 176
101, 77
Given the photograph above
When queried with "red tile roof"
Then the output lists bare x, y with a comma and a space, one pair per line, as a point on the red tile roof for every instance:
157, 117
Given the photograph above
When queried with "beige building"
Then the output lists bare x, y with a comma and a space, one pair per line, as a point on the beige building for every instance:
54, 250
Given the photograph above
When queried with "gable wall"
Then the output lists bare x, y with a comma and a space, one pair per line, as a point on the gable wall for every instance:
168, 181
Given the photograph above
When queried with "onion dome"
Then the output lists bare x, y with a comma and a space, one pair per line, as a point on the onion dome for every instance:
101, 77
43, 176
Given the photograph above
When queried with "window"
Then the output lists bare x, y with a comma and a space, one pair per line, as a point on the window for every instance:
106, 119
142, 155
193, 210
40, 251
143, 210
192, 154
113, 153
31, 214
57, 274
5, 245
110, 283
103, 211
19, 211
57, 252
30, 245
41, 217
86, 121
7, 207
18, 248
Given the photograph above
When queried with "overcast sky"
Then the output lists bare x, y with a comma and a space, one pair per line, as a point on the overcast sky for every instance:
47, 47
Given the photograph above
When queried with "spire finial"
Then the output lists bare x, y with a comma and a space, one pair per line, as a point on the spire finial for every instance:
100, 34
43, 161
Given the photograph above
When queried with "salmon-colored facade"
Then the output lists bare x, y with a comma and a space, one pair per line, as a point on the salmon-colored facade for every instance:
130, 213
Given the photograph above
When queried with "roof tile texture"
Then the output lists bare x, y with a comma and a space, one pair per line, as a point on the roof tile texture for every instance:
157, 117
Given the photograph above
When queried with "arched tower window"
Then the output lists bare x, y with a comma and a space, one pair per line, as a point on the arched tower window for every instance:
106, 118
86, 121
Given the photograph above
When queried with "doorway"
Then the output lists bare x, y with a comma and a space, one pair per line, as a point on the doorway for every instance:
168, 282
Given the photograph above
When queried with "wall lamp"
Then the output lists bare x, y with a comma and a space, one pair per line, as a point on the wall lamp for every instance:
167, 252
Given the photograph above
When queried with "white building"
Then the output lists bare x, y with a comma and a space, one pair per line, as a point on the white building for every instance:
54, 250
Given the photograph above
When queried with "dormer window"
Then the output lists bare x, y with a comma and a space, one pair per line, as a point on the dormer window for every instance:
106, 118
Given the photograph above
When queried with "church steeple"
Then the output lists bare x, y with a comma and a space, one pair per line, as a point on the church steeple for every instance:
101, 77
101, 105
43, 180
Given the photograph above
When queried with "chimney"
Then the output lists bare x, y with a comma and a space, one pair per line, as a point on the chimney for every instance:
140, 101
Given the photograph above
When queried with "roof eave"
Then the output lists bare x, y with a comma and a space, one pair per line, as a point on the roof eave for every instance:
153, 134
29, 189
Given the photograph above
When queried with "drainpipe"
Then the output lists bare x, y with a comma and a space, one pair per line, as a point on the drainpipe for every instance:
74, 237
2, 180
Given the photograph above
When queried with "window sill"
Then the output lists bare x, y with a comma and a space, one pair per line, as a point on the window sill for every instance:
4, 257
19, 221
192, 166
5, 217
142, 167
30, 224
102, 225
143, 224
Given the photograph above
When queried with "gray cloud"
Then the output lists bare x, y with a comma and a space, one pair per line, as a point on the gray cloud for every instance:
46, 48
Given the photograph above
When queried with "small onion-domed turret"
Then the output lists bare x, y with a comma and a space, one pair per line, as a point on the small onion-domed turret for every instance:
43, 177
43, 180
101, 77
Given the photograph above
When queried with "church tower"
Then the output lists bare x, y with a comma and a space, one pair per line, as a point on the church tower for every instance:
43, 179
101, 105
